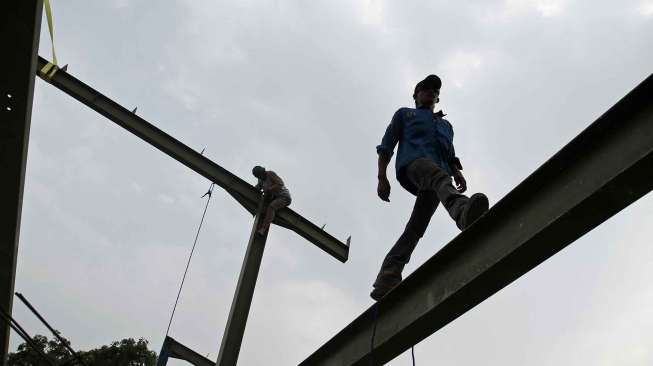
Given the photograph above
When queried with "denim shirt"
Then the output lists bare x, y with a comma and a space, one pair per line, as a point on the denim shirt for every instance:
420, 134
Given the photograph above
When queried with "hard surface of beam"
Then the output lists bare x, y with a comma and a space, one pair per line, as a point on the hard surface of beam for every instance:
173, 349
242, 191
242, 301
20, 26
601, 171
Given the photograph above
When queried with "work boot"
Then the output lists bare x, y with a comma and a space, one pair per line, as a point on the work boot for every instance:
475, 207
385, 282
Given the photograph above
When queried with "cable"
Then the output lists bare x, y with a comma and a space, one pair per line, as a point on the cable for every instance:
412, 352
209, 193
375, 318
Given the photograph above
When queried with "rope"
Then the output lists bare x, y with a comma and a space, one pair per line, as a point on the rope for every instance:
375, 315
412, 352
210, 191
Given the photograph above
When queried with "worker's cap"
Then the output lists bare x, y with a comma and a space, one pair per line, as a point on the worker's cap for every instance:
258, 171
430, 82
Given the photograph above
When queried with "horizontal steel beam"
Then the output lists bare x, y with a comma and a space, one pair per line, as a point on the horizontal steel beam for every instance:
173, 349
20, 27
604, 169
242, 191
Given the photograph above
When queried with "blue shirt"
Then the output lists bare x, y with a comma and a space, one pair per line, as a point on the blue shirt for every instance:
420, 134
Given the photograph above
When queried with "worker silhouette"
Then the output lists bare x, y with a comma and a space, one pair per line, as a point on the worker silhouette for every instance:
425, 163
275, 195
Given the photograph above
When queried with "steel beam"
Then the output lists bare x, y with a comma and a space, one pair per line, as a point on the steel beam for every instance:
242, 301
173, 349
20, 27
242, 191
601, 171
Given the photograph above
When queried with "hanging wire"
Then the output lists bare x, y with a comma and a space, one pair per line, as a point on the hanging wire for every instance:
209, 193
375, 315
412, 352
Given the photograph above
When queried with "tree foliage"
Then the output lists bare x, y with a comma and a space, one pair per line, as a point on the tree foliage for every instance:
127, 352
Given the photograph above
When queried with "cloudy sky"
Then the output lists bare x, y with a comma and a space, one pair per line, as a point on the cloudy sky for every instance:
307, 89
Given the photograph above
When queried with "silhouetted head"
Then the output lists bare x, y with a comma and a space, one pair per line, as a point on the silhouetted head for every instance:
259, 172
427, 92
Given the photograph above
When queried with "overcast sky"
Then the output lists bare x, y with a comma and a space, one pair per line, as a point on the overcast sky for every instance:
307, 89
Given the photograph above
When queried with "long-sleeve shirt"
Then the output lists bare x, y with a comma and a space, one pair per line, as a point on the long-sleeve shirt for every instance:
420, 134
273, 184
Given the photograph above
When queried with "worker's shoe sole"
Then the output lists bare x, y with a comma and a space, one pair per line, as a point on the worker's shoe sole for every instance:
384, 284
477, 205
378, 292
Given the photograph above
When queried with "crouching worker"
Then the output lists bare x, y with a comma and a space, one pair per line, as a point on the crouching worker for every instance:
275, 195
425, 163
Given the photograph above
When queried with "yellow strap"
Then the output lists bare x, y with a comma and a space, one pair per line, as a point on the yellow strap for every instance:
48, 14
49, 70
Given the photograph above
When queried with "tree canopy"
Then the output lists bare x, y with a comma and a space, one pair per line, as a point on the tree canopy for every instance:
127, 352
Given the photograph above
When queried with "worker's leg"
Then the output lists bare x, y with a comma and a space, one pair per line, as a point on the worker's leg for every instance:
421, 174
276, 204
399, 254
434, 186
464, 210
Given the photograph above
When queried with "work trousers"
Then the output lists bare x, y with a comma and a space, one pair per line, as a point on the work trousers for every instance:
434, 187
277, 203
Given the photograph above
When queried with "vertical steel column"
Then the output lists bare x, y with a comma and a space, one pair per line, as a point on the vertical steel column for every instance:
162, 359
233, 334
20, 27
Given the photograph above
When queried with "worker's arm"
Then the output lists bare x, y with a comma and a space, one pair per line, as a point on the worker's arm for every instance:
383, 188
385, 151
456, 167
461, 183
276, 185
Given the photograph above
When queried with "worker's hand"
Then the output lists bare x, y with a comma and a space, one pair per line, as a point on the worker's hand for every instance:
267, 197
383, 189
461, 183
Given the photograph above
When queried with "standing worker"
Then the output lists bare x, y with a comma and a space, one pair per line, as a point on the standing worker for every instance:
275, 195
426, 161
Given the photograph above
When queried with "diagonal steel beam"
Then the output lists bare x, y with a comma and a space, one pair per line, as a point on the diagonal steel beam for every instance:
601, 171
242, 191
20, 27
173, 349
